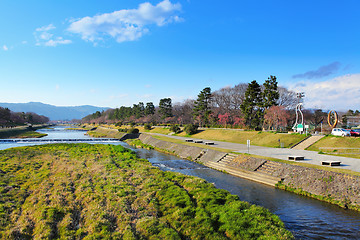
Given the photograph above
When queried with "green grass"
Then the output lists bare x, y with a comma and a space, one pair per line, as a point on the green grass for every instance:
179, 141
84, 191
20, 133
258, 138
337, 145
105, 132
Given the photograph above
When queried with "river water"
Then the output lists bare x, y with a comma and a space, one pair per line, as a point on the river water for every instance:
306, 218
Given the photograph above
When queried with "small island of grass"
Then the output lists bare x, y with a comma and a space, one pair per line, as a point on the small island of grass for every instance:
83, 191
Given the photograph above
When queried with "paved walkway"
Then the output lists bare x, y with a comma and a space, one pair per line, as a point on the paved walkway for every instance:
281, 153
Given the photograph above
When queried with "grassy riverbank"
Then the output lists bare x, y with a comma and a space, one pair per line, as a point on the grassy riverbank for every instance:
20, 132
75, 191
257, 138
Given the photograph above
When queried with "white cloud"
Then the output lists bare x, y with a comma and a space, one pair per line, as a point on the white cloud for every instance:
5, 48
44, 38
46, 28
126, 24
57, 41
340, 93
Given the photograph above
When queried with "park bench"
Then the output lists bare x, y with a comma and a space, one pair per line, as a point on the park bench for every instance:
188, 140
295, 158
198, 141
331, 163
209, 143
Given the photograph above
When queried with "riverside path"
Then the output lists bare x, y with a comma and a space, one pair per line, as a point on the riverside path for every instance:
311, 157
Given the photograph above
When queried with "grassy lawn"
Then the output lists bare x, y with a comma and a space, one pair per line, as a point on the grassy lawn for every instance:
337, 146
85, 191
266, 139
173, 140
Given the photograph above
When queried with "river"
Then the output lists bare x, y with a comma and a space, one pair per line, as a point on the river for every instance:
306, 218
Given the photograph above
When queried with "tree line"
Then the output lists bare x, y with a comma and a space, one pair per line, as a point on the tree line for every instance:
13, 119
251, 106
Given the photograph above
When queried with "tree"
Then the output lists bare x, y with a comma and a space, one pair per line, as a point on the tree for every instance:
149, 109
275, 117
252, 106
165, 108
202, 108
270, 93
286, 98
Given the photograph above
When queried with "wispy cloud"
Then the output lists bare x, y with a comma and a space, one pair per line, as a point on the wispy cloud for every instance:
45, 38
340, 93
322, 71
127, 24
5, 48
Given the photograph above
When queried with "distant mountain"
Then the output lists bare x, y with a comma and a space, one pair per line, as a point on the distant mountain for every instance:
53, 112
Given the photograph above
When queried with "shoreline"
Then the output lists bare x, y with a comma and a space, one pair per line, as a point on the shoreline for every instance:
340, 189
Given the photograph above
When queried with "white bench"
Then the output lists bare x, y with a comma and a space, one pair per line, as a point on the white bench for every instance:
209, 143
331, 163
188, 140
295, 158
198, 141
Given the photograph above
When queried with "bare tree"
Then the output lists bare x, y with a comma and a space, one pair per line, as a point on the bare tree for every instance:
228, 99
287, 98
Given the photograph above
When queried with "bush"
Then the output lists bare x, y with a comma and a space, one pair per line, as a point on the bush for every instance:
122, 129
118, 124
191, 129
132, 124
133, 130
174, 128
147, 126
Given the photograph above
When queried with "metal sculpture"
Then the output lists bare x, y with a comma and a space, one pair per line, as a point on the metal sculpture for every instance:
336, 118
299, 127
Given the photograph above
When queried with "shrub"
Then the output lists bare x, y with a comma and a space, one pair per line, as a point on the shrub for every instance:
147, 126
174, 128
191, 129
118, 124
132, 124
122, 129
133, 130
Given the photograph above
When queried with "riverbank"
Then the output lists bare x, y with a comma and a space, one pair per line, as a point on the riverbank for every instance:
22, 132
337, 188
105, 191
332, 185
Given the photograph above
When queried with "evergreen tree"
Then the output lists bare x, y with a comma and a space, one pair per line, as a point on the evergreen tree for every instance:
252, 105
270, 94
165, 108
149, 109
202, 108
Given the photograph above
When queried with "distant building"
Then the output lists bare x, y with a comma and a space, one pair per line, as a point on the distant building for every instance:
353, 121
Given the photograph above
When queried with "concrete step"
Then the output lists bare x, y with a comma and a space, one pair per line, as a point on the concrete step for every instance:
308, 142
255, 176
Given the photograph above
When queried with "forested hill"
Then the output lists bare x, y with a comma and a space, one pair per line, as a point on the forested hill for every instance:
53, 112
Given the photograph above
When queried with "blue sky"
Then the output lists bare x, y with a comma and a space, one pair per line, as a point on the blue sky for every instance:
113, 53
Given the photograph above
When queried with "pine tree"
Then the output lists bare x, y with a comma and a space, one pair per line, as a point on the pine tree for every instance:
165, 108
270, 93
252, 105
149, 109
202, 108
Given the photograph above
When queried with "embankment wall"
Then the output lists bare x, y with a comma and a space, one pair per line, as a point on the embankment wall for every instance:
337, 188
